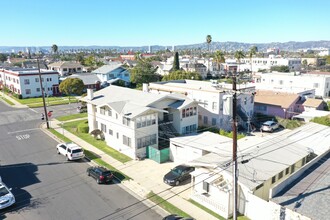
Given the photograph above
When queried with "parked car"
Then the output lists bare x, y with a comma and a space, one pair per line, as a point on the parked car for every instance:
6, 197
71, 150
176, 217
178, 174
269, 126
100, 174
82, 108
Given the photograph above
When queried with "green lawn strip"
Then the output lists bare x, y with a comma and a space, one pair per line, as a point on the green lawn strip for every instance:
165, 204
27, 101
40, 104
101, 145
93, 157
240, 217
8, 101
70, 117
206, 209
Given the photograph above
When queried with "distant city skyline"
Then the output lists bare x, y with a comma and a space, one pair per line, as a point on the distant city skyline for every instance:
172, 22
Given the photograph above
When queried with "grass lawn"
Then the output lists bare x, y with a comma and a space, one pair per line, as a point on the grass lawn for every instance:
166, 205
38, 102
70, 117
72, 127
7, 100
90, 155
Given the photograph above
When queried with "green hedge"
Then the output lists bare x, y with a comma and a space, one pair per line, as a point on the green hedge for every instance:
83, 127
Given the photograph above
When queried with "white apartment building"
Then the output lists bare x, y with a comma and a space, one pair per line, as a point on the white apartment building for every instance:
318, 81
133, 120
66, 67
266, 63
214, 99
25, 82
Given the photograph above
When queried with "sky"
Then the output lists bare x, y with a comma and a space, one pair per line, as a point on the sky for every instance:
155, 22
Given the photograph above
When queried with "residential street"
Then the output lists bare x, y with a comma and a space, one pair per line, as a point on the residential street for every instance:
45, 185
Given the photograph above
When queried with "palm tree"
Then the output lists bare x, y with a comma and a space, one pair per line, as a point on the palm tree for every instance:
219, 58
253, 51
208, 41
54, 48
239, 54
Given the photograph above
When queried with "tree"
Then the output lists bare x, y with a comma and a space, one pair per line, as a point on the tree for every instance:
208, 41
3, 57
219, 57
143, 72
239, 55
282, 68
176, 64
54, 49
181, 74
253, 51
71, 86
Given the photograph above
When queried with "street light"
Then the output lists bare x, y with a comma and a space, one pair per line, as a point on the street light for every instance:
43, 94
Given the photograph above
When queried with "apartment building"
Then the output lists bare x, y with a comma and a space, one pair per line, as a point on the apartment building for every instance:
132, 120
214, 100
25, 82
65, 68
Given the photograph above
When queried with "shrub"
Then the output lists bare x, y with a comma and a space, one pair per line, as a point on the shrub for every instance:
83, 127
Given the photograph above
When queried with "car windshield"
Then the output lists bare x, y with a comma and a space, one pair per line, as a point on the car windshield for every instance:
77, 151
177, 170
106, 173
3, 191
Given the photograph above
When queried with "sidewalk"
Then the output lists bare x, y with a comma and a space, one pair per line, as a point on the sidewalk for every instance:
147, 175
16, 103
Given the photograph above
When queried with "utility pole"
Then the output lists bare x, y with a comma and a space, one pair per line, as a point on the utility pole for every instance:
43, 94
234, 149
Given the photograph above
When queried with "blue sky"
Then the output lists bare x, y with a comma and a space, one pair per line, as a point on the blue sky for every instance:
154, 22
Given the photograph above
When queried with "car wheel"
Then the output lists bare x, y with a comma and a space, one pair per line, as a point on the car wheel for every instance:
177, 183
98, 181
88, 174
67, 158
271, 130
58, 152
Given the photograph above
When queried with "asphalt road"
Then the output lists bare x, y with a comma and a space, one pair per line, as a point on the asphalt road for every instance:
45, 185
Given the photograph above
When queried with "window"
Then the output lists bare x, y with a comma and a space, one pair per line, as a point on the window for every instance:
183, 113
153, 119
214, 121
117, 135
316, 85
126, 141
126, 121
187, 112
102, 110
103, 128
280, 175
65, 69
38, 89
214, 106
292, 168
116, 116
26, 81
28, 91
110, 132
206, 104
205, 120
138, 123
195, 111
287, 171
144, 123
273, 179
281, 82
110, 112
200, 117
303, 161
206, 186
37, 80
146, 141
258, 187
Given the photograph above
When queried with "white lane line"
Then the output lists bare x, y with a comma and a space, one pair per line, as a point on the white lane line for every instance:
32, 129
33, 110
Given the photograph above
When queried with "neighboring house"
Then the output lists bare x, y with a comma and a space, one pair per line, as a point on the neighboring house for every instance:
65, 68
314, 104
133, 120
112, 71
284, 105
266, 166
91, 81
316, 61
130, 63
306, 116
196, 67
320, 81
163, 68
294, 64
214, 99
26, 82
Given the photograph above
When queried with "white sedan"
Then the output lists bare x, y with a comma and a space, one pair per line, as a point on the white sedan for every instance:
6, 197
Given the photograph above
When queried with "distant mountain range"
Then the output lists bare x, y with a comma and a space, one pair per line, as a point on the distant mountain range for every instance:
228, 46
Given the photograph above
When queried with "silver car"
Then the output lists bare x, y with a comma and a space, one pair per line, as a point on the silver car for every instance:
6, 197
269, 126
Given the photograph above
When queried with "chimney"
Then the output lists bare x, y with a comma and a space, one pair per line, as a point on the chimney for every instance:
90, 94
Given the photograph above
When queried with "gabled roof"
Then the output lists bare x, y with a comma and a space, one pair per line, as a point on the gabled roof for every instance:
87, 78
313, 102
284, 100
105, 69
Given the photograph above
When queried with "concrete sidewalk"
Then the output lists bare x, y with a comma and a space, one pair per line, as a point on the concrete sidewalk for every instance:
147, 175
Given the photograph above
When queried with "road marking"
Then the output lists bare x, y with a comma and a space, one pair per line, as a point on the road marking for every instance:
33, 110
22, 137
32, 129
